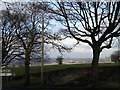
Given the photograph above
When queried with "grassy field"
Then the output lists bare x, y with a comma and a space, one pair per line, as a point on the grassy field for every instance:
19, 71
59, 80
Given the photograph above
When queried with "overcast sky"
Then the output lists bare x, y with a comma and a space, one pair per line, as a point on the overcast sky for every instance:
80, 51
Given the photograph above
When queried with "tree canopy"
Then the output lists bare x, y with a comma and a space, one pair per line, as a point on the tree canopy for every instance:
94, 23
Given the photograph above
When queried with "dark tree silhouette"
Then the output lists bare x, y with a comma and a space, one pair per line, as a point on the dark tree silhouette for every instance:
59, 60
8, 38
94, 23
27, 25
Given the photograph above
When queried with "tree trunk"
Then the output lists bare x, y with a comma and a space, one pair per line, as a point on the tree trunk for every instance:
27, 69
96, 54
42, 62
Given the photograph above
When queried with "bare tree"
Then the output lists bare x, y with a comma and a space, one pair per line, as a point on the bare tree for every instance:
26, 22
94, 23
27, 19
59, 60
8, 38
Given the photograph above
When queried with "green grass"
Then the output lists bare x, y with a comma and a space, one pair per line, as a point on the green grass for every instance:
35, 82
65, 79
108, 64
14, 83
19, 71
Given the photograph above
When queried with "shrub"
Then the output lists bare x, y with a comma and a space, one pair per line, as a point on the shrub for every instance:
115, 57
59, 60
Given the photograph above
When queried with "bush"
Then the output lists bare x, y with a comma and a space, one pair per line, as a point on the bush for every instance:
59, 60
115, 57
